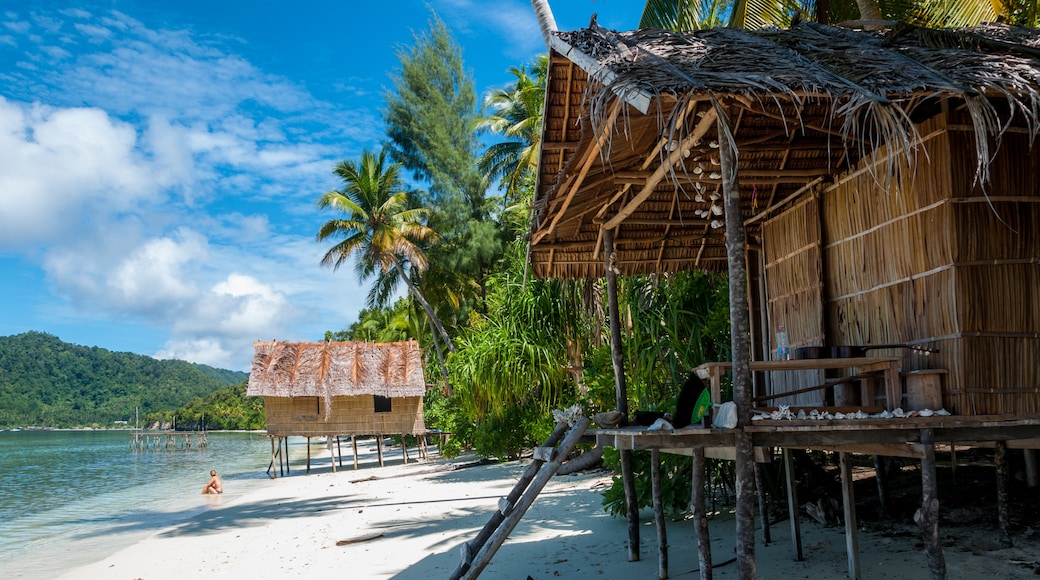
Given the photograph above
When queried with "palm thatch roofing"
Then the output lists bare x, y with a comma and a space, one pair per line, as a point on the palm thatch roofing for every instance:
332, 369
630, 138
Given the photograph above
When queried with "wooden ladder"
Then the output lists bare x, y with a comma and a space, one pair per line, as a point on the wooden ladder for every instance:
476, 553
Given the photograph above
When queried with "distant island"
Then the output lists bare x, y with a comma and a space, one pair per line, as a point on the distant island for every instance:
45, 382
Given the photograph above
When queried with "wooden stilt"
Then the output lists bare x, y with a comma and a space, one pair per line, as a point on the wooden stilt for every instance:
848, 498
308, 454
339, 451
628, 478
353, 443
792, 506
271, 466
700, 516
763, 506
881, 479
927, 516
332, 452
379, 449
404, 448
1000, 459
662, 532
1032, 478
286, 440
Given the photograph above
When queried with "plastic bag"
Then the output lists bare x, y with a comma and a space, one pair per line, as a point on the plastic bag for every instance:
725, 416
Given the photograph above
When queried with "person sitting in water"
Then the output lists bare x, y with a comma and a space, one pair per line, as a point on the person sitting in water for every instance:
214, 485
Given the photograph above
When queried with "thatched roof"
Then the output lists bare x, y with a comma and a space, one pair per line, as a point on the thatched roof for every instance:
329, 369
804, 106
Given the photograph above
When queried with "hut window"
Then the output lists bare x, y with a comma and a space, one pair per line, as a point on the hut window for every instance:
382, 404
305, 408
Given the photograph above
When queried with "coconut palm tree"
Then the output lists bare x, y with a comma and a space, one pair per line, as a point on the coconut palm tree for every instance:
381, 229
516, 114
753, 14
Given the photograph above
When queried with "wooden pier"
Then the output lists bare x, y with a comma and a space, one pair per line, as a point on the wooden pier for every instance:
167, 440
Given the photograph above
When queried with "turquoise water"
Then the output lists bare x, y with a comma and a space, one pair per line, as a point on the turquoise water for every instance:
68, 498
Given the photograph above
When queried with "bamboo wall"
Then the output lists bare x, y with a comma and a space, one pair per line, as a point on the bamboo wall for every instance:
791, 249
305, 416
936, 263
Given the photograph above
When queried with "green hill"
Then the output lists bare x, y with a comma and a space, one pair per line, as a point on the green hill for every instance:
49, 383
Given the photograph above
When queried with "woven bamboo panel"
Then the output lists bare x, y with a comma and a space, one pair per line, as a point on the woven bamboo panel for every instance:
348, 416
791, 250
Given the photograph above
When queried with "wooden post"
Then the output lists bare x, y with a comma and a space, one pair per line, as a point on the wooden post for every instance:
740, 330
270, 467
339, 451
1032, 479
482, 558
927, 516
662, 532
881, 478
404, 448
628, 478
1000, 459
332, 452
471, 548
848, 498
286, 441
308, 454
379, 449
700, 516
353, 443
792, 506
763, 506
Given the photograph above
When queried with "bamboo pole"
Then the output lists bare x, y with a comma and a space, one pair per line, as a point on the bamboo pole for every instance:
662, 532
621, 395
736, 246
339, 451
882, 485
404, 448
848, 498
472, 547
332, 452
700, 515
379, 449
308, 454
927, 516
481, 560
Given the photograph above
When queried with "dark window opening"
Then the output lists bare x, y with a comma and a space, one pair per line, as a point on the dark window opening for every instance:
382, 404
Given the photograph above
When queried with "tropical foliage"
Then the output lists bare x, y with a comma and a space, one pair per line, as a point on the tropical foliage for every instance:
228, 408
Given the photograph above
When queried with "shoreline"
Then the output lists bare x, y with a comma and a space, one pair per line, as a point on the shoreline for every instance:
408, 522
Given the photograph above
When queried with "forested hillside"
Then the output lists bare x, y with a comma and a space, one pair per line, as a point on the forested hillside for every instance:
49, 383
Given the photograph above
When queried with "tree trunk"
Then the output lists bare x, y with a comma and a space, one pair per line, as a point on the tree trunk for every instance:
436, 322
546, 21
869, 10
740, 331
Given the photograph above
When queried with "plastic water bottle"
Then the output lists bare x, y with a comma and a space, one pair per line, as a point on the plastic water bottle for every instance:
783, 352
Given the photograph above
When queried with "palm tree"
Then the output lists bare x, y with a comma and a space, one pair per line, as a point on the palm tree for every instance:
515, 113
753, 14
382, 229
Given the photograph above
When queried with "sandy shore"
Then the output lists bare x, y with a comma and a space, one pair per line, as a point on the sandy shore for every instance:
307, 526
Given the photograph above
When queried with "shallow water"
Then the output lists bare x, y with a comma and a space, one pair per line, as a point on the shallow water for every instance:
68, 498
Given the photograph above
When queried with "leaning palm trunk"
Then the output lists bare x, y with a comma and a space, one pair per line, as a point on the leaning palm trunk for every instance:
436, 322
546, 21
869, 9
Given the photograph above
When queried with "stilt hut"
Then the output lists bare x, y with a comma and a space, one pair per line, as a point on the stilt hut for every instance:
336, 389
875, 190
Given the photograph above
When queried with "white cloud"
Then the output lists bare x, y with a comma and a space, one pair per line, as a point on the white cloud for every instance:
62, 167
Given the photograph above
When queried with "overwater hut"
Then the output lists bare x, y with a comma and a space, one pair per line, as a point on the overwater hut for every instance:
861, 188
334, 389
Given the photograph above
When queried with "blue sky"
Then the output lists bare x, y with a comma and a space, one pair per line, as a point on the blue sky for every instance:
159, 161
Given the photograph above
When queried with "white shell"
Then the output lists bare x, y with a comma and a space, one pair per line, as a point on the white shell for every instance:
926, 412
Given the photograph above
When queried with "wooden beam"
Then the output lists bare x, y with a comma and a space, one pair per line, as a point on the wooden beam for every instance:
848, 498
693, 138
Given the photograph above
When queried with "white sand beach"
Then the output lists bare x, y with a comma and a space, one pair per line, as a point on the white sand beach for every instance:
411, 520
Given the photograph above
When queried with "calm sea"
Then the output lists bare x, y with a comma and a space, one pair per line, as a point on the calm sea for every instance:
68, 498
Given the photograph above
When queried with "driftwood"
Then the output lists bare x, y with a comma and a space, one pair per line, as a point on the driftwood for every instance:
359, 539
591, 458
